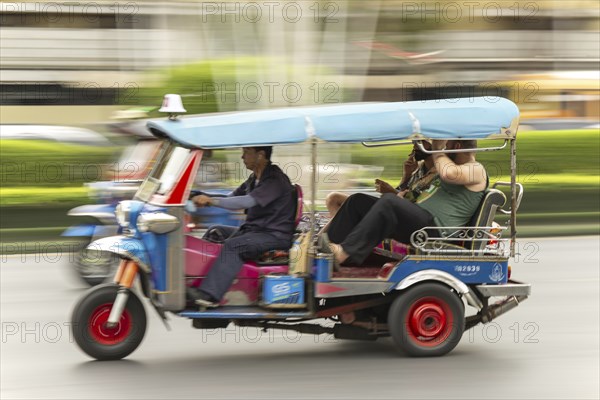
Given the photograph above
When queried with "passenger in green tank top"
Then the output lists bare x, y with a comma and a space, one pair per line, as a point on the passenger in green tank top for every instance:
454, 200
451, 201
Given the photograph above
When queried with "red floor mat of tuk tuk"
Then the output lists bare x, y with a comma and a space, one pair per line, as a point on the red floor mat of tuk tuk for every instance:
357, 272
369, 269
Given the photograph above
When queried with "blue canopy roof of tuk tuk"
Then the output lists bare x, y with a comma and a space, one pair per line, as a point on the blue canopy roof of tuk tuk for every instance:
464, 118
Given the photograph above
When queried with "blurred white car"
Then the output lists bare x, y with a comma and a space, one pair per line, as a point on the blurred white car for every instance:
56, 133
546, 124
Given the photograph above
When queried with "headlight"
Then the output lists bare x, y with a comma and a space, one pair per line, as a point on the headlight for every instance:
122, 213
157, 223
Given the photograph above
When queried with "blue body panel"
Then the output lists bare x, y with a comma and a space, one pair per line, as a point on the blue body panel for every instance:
464, 118
90, 231
467, 271
136, 209
157, 252
136, 247
155, 245
122, 245
147, 247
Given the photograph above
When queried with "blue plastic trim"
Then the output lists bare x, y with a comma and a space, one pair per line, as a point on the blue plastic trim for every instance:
157, 252
467, 271
134, 212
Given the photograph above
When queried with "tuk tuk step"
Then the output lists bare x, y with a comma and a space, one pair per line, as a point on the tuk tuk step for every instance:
250, 312
512, 288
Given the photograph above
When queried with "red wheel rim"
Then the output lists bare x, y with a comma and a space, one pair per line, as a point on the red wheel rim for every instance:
108, 335
429, 321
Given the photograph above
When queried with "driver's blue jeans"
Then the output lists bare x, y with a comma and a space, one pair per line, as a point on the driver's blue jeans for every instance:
240, 246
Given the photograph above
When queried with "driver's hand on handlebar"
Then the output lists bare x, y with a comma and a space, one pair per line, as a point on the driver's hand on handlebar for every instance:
202, 200
194, 193
383, 187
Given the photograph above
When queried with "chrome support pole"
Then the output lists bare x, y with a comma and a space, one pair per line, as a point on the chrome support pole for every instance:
513, 195
473, 300
313, 188
118, 307
310, 130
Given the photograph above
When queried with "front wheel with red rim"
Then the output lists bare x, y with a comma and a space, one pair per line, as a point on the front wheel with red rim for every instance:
91, 331
427, 320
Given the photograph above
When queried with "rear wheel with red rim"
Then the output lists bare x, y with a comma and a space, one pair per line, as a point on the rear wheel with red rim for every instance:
427, 320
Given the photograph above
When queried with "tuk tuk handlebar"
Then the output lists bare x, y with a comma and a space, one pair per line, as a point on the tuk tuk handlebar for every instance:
520, 192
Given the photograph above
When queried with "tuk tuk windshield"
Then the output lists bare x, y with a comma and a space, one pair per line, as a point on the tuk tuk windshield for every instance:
167, 169
136, 160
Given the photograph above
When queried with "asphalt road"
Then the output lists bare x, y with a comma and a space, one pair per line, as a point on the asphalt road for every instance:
546, 348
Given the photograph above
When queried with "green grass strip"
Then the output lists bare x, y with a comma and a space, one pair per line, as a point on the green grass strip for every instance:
19, 196
32, 230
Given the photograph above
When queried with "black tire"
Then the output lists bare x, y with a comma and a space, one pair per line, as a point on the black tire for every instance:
95, 267
94, 338
427, 320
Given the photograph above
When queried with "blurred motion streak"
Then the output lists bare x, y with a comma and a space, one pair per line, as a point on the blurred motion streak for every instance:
80, 64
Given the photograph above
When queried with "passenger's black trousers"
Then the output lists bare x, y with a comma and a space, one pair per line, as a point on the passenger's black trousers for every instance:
363, 221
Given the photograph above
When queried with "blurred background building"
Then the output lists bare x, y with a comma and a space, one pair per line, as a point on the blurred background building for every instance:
82, 61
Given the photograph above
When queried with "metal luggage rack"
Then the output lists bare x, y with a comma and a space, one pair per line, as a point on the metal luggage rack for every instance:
462, 240
321, 219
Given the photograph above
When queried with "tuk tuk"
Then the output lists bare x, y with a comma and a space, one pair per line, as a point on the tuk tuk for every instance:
419, 296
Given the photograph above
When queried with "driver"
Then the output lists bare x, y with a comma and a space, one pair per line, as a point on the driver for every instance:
269, 200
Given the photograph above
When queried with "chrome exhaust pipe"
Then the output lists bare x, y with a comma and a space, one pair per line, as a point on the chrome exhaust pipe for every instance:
494, 311
501, 307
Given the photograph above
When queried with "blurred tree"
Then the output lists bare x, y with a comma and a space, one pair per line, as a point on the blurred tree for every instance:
237, 83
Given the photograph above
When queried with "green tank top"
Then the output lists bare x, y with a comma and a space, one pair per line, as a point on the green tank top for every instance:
450, 205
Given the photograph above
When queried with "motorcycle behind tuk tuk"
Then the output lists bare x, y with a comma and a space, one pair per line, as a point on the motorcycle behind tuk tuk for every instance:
419, 297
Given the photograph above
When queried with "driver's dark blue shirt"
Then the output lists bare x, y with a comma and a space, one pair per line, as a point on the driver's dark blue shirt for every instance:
275, 195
